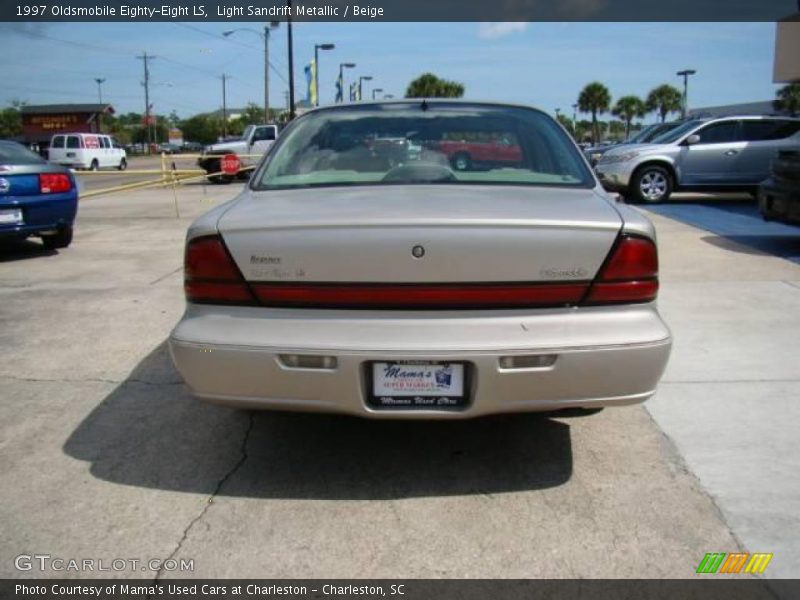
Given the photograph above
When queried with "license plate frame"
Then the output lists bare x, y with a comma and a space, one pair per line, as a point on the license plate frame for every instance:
428, 400
11, 216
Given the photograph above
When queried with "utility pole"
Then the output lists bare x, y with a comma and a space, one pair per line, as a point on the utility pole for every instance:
290, 51
144, 58
224, 106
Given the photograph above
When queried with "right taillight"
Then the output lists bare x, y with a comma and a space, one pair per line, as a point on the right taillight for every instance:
211, 276
629, 275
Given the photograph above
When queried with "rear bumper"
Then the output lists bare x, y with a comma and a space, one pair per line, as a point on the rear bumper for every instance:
603, 356
779, 202
40, 213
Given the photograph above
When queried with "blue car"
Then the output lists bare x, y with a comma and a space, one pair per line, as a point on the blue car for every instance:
36, 198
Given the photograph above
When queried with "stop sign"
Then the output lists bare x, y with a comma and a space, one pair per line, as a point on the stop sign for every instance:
230, 164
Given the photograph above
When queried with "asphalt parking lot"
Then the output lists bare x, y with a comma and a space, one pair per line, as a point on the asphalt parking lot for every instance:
104, 455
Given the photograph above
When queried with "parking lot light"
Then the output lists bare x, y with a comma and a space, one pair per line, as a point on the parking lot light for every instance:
685, 105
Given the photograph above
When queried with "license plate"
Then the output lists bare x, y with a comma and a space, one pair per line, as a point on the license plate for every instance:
418, 385
11, 216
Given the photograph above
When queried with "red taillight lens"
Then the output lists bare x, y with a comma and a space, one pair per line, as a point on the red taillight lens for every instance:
210, 275
630, 274
419, 296
54, 183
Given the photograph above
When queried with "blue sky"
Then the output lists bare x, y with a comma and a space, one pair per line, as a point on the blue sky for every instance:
544, 64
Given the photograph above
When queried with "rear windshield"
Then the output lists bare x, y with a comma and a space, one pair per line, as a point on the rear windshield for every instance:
405, 143
15, 154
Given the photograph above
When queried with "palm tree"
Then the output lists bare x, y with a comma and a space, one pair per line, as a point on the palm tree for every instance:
629, 108
429, 85
788, 98
664, 99
594, 98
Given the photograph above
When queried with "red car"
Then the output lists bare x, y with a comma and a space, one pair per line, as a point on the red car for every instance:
463, 154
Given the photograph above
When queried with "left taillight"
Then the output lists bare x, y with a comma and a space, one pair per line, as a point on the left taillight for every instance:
630, 274
211, 276
54, 183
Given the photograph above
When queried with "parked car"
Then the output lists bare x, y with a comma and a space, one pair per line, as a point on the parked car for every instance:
87, 151
724, 154
37, 198
192, 147
484, 149
169, 148
779, 195
341, 281
647, 134
255, 141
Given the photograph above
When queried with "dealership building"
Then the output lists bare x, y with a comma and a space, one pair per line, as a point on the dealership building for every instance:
42, 122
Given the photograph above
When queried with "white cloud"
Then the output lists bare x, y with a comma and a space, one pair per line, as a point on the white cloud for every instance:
493, 31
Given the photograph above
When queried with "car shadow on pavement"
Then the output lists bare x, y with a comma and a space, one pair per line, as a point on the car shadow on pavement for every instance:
23, 249
784, 246
150, 432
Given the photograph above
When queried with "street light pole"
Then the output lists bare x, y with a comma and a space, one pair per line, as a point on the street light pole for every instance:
375, 91
360, 83
685, 74
100, 81
224, 106
317, 48
342, 67
265, 36
290, 52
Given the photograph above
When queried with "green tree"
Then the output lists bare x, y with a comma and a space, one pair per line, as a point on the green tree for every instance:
429, 85
583, 130
595, 99
617, 129
629, 108
201, 128
567, 123
10, 122
788, 98
664, 99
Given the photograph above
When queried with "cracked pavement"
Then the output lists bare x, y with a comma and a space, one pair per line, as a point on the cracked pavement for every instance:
104, 455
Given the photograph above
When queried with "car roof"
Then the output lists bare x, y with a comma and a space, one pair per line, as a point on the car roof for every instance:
415, 101
750, 118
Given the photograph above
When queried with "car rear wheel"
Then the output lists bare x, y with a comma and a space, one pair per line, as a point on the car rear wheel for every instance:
62, 239
461, 161
651, 184
94, 166
123, 164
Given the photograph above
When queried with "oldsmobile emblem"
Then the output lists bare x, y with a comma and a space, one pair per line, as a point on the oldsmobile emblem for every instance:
5, 185
418, 251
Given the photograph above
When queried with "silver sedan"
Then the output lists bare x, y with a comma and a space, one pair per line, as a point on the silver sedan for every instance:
422, 259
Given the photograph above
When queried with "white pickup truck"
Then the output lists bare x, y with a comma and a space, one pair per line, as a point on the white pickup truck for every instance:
253, 144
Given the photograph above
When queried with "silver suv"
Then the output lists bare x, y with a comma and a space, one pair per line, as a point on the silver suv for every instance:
725, 154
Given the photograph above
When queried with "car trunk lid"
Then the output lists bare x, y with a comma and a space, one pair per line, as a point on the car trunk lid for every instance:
420, 234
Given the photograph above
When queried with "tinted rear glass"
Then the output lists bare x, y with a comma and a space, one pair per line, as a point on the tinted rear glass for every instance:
768, 129
442, 143
16, 154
